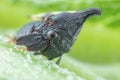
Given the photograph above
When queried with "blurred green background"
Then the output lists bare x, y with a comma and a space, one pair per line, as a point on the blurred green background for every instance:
99, 39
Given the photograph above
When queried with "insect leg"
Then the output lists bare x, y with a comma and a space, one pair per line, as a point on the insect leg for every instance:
58, 61
37, 53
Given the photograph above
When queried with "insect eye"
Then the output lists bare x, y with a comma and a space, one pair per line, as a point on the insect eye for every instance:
51, 34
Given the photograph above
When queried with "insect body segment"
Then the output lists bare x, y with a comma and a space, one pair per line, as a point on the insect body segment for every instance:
55, 34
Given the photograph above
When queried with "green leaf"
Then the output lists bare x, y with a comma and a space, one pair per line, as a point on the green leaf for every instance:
22, 65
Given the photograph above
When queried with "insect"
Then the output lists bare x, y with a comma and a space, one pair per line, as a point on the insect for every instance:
54, 34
